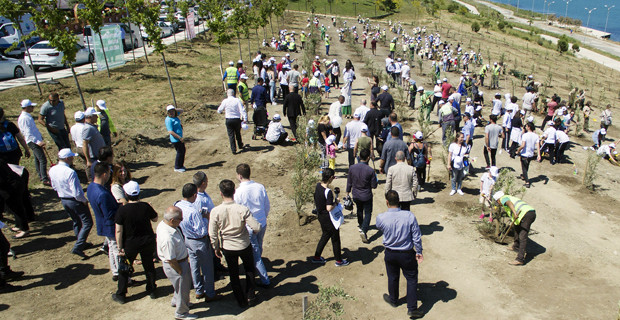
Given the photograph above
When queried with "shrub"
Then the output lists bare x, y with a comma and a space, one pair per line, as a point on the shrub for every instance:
576, 47
562, 44
475, 27
453, 7
589, 174
501, 25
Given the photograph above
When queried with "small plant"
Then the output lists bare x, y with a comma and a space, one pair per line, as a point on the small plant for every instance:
305, 175
328, 304
589, 174
312, 102
475, 27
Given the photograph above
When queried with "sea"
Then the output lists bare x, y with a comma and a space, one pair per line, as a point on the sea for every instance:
577, 10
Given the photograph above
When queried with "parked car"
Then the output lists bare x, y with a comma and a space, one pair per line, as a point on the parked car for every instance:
44, 55
166, 31
137, 41
174, 26
11, 68
181, 19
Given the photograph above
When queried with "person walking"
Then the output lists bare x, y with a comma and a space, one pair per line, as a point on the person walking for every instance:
457, 152
134, 235
402, 240
228, 230
34, 139
52, 116
92, 140
352, 132
104, 207
175, 130
529, 144
66, 183
492, 133
402, 178
327, 43
421, 155
235, 116
231, 76
446, 120
259, 103
325, 201
105, 124
254, 196
14, 194
360, 182
522, 216
195, 230
390, 148
76, 133
293, 107
386, 101
172, 251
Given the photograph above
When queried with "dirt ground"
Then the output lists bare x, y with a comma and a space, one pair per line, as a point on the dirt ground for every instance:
572, 269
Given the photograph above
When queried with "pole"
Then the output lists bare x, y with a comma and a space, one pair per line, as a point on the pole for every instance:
92, 69
169, 81
146, 56
133, 46
36, 79
532, 9
608, 9
77, 84
566, 13
107, 68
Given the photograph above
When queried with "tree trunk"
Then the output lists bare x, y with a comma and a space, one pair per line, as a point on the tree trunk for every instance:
249, 48
264, 33
107, 68
92, 68
278, 22
239, 41
77, 84
176, 47
257, 39
271, 25
133, 45
221, 69
169, 81
36, 79
146, 56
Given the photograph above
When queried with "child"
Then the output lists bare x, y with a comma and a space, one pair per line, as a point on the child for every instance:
330, 144
486, 186
327, 88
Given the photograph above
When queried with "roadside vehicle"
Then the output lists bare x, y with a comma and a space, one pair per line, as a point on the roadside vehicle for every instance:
44, 55
11, 68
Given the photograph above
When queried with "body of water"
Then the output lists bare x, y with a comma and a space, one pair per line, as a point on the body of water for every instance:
577, 10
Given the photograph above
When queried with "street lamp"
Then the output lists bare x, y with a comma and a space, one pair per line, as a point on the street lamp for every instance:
608, 9
589, 12
566, 13
549, 5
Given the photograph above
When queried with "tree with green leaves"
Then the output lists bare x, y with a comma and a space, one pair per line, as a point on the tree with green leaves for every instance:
184, 9
135, 14
14, 11
171, 17
218, 26
563, 44
50, 24
239, 22
152, 29
278, 8
475, 27
388, 5
92, 13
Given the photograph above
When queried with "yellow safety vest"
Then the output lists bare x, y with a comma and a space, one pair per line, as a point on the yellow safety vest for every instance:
303, 37
326, 41
392, 46
243, 90
520, 206
291, 45
496, 70
231, 75
314, 82
483, 70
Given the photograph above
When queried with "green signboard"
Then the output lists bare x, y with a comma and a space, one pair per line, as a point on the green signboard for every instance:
113, 44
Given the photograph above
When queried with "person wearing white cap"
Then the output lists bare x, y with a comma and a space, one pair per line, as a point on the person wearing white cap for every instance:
549, 141
352, 132
561, 142
235, 115
495, 76
529, 144
52, 116
244, 92
348, 75
608, 152
283, 79
76, 133
92, 140
275, 132
598, 137
134, 235
231, 76
405, 69
516, 130
522, 216
66, 183
104, 122
175, 130
34, 139
487, 181
385, 101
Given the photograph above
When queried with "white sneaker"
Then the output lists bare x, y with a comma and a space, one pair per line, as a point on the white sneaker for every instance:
452, 192
186, 316
459, 192
179, 170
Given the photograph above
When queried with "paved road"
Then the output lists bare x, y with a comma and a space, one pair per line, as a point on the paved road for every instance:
83, 69
469, 7
597, 43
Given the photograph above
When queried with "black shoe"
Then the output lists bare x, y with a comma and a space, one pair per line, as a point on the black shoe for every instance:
153, 294
81, 254
386, 298
415, 314
262, 285
11, 275
114, 278
118, 298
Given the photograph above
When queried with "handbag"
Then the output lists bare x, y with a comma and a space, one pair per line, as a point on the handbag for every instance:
336, 215
124, 267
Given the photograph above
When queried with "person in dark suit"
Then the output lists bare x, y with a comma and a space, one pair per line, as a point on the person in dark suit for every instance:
293, 107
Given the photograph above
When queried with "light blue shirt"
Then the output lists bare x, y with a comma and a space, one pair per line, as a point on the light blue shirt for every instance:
203, 204
193, 224
254, 196
400, 230
174, 125
468, 130
400, 132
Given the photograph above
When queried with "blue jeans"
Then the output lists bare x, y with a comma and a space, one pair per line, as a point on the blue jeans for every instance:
257, 251
201, 263
326, 50
82, 221
457, 178
364, 213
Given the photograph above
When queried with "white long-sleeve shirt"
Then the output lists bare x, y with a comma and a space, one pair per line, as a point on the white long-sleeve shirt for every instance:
274, 131
234, 109
29, 128
76, 134
66, 183
254, 196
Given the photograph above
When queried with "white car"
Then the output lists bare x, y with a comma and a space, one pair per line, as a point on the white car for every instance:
166, 31
11, 68
44, 55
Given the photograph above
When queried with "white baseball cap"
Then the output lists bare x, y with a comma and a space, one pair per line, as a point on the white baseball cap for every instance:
419, 135
27, 103
276, 117
498, 195
243, 76
240, 61
384, 88
131, 188
91, 112
66, 153
101, 104
79, 115
231, 63
356, 115
494, 171
170, 107
603, 131
420, 88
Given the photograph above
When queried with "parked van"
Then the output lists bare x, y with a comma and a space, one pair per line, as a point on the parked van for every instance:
10, 35
135, 33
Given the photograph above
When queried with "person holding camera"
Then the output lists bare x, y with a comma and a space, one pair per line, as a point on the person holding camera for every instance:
360, 181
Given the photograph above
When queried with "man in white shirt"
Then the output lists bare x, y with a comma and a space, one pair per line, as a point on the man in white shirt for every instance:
528, 101
352, 131
254, 196
404, 71
172, 251
76, 133
362, 110
33, 139
507, 125
66, 183
235, 116
275, 132
497, 105
529, 144
549, 141
561, 142
397, 72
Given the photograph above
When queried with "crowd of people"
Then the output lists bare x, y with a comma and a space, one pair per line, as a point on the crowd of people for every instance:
195, 234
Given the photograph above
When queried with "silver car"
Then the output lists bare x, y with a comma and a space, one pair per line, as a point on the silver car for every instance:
11, 68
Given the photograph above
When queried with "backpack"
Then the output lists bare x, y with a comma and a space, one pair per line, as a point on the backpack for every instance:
9, 143
417, 158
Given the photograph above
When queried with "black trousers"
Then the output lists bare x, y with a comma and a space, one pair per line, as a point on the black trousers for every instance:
559, 151
486, 156
232, 260
421, 173
338, 134
395, 261
525, 166
513, 149
5, 246
521, 234
329, 232
293, 123
233, 128
179, 160
285, 91
550, 149
145, 247
335, 81
18, 201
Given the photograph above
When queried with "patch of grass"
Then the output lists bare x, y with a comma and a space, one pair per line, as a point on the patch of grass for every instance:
328, 304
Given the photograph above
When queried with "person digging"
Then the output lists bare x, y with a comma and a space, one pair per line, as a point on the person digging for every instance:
522, 216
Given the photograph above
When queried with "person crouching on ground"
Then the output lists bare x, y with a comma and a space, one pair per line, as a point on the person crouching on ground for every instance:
522, 216
275, 132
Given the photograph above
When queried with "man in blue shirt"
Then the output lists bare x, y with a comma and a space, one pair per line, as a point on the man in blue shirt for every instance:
104, 206
195, 229
401, 234
468, 130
